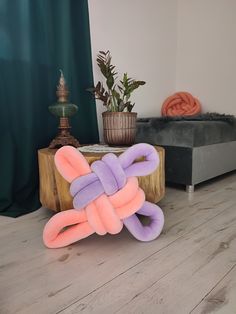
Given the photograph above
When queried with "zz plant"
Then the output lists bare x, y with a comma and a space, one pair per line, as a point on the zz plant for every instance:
116, 97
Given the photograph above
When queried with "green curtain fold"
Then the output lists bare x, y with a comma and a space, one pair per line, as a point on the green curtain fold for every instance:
37, 38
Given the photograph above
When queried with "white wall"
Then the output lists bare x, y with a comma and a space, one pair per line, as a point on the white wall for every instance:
141, 36
173, 45
206, 53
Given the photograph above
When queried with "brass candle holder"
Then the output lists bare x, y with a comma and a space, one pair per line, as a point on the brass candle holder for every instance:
63, 110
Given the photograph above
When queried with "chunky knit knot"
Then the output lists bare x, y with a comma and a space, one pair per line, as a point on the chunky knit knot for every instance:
181, 104
110, 174
107, 177
106, 196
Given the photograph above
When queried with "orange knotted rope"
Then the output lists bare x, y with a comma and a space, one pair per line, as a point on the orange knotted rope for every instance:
181, 104
101, 216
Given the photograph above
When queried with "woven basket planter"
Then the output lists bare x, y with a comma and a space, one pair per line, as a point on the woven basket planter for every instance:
119, 128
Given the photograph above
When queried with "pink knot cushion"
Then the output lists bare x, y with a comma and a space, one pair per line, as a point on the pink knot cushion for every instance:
181, 104
106, 196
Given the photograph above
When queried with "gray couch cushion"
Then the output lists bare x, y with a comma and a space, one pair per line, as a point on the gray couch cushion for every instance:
184, 133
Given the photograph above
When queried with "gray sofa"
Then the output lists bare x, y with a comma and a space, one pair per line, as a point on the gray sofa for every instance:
196, 150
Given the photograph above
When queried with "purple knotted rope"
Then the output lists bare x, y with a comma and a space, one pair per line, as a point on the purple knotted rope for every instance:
110, 174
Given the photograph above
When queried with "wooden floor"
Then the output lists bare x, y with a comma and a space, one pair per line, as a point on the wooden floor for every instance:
191, 268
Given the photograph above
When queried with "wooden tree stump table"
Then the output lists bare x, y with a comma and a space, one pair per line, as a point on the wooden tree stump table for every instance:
54, 189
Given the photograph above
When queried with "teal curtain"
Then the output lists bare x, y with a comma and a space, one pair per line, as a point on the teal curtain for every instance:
37, 38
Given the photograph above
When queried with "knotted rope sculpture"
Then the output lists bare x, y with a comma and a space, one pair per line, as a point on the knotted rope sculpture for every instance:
106, 196
181, 104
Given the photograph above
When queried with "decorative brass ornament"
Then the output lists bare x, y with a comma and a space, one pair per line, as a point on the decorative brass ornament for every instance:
63, 110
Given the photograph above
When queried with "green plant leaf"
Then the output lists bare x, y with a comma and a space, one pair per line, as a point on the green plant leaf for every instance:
116, 97
101, 94
121, 105
130, 106
110, 81
116, 94
107, 69
104, 53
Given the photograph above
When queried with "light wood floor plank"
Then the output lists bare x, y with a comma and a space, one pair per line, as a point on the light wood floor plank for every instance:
156, 281
34, 279
222, 298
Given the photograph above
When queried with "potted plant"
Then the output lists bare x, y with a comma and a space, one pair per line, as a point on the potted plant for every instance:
119, 122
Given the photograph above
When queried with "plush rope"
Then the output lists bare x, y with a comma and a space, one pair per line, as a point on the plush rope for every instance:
181, 104
105, 197
111, 172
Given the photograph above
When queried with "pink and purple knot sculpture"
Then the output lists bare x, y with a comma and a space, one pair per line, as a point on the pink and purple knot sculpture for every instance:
106, 196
